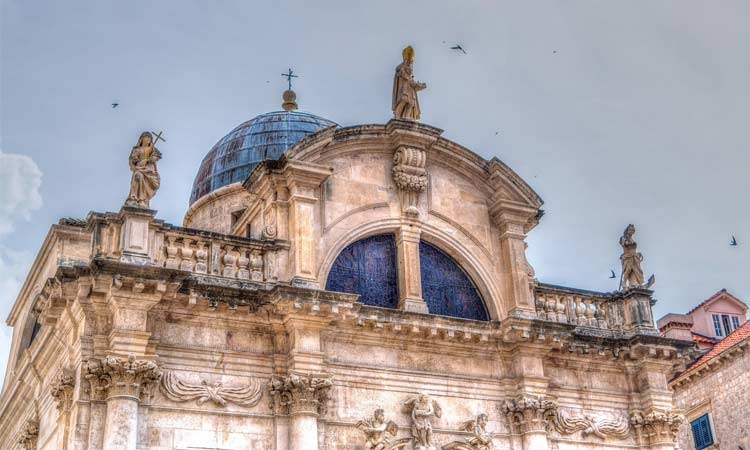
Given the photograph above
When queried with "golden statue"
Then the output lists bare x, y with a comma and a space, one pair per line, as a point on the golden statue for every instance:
405, 102
145, 180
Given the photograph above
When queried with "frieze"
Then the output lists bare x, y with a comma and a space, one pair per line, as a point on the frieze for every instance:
209, 391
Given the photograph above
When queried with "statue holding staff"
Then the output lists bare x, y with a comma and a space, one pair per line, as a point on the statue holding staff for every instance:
145, 179
405, 102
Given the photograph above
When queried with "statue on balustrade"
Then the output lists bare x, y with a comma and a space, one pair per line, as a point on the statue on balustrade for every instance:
145, 179
632, 274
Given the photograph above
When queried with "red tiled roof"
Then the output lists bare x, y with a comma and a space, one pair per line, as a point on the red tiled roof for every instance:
737, 336
702, 339
714, 297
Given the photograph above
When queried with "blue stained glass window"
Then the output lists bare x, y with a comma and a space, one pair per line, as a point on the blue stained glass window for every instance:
368, 268
701, 429
446, 288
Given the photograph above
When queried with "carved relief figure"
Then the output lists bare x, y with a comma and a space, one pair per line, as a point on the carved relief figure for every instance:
405, 102
601, 427
378, 431
181, 391
632, 275
145, 180
482, 440
422, 409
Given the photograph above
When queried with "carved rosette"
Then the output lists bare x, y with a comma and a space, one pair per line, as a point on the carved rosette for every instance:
656, 426
29, 434
528, 413
120, 377
300, 394
62, 390
410, 177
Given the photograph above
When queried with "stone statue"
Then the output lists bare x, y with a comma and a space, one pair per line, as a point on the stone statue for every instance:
378, 431
422, 409
145, 180
482, 440
405, 102
632, 275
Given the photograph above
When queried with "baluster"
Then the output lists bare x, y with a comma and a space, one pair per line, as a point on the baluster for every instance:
590, 307
551, 308
186, 251
228, 260
201, 256
242, 261
578, 309
601, 317
171, 249
256, 266
561, 316
539, 303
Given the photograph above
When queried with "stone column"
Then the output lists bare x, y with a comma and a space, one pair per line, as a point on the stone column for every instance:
527, 417
657, 429
409, 271
121, 381
519, 299
62, 392
304, 398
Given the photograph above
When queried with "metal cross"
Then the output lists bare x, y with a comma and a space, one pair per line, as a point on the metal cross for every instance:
157, 136
289, 75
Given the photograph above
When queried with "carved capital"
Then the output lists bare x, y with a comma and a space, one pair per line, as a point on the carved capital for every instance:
116, 377
529, 413
656, 426
300, 394
410, 176
29, 434
62, 390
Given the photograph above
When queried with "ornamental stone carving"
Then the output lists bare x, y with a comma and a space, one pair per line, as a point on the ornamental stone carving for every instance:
422, 409
29, 434
62, 390
410, 177
378, 431
300, 394
529, 413
115, 377
205, 391
656, 426
145, 179
480, 439
632, 274
601, 427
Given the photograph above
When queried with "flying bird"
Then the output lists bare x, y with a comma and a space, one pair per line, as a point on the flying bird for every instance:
554, 51
733, 242
458, 47
612, 274
115, 105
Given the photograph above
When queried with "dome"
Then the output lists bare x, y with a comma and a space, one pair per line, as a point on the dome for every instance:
266, 136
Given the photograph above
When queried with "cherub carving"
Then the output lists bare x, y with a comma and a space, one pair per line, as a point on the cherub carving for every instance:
181, 391
480, 440
422, 409
378, 431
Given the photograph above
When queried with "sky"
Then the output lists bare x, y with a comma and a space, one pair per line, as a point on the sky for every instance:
614, 112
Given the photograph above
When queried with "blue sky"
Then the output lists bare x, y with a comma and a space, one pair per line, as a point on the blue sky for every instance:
615, 112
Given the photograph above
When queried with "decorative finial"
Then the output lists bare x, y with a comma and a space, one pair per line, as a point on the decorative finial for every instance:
632, 274
289, 98
405, 104
145, 180
289, 75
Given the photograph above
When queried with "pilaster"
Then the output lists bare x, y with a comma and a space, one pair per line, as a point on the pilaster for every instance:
409, 271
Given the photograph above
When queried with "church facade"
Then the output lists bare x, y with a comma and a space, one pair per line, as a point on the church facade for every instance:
331, 288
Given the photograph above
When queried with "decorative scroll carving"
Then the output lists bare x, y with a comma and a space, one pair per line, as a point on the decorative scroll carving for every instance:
114, 376
29, 434
481, 439
527, 413
295, 394
422, 409
597, 425
181, 391
378, 431
62, 390
410, 177
656, 425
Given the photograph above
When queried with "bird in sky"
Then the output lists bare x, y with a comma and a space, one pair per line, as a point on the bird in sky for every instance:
612, 274
115, 105
496, 133
458, 47
554, 51
733, 242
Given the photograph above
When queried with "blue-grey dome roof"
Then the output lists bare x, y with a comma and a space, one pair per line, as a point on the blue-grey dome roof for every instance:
266, 136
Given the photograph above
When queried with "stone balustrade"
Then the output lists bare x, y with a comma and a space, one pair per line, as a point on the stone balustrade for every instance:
576, 307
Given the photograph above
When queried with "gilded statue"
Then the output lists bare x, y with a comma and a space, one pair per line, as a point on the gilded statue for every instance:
422, 409
632, 274
405, 101
378, 431
145, 179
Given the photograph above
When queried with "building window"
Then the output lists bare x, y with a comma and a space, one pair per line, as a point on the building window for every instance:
735, 322
725, 323
368, 268
702, 436
717, 325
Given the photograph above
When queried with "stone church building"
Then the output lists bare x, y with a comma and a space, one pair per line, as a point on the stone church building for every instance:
331, 288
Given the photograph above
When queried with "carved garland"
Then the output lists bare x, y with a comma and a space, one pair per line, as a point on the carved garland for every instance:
205, 391
410, 177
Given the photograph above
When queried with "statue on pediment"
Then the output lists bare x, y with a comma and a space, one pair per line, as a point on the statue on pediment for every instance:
145, 179
405, 102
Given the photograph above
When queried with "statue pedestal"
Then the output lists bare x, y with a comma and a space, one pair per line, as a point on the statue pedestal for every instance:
636, 311
135, 237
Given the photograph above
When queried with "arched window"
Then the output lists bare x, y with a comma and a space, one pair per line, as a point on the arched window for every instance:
446, 288
368, 268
